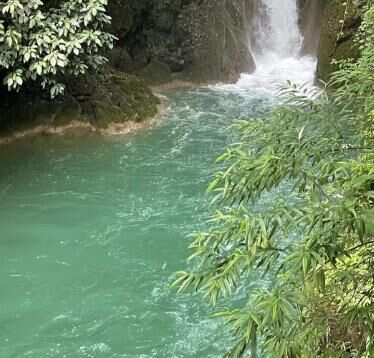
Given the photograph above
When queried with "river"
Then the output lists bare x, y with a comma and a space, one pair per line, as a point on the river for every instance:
93, 227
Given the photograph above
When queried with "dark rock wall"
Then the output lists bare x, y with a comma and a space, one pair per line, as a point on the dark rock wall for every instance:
192, 40
337, 40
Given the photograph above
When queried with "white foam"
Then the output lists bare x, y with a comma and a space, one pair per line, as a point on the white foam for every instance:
276, 46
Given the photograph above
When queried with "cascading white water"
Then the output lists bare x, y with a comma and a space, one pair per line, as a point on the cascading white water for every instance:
276, 45
275, 32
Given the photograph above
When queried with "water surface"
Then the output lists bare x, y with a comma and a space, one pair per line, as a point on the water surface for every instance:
93, 228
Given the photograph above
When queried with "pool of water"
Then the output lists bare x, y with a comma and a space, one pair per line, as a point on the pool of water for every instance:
92, 229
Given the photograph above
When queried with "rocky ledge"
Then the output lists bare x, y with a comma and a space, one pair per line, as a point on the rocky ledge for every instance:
99, 102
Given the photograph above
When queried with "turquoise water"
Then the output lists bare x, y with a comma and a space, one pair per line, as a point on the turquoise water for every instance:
93, 228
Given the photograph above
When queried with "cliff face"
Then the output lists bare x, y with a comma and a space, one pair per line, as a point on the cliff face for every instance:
337, 39
193, 40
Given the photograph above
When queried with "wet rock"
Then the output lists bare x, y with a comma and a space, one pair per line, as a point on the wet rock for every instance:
311, 16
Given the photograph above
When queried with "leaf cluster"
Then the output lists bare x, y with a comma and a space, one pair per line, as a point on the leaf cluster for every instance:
45, 44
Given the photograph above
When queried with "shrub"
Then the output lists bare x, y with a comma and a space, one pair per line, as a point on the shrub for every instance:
46, 43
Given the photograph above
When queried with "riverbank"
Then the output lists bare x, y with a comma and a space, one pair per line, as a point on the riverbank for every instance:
112, 102
84, 126
80, 127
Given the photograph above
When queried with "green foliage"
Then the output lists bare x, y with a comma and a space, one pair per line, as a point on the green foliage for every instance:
315, 153
41, 43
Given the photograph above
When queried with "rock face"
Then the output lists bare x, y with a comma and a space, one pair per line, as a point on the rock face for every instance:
192, 40
311, 12
337, 39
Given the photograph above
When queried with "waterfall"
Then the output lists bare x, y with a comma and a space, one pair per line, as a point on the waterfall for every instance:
275, 32
276, 44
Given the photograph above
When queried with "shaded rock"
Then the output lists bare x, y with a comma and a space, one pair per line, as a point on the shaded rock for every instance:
337, 39
156, 73
25, 110
311, 16
121, 60
219, 43
199, 40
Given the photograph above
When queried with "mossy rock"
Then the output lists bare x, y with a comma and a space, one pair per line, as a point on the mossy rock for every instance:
100, 99
337, 39
118, 97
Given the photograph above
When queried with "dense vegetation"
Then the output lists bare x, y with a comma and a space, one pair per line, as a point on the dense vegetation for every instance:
316, 242
46, 42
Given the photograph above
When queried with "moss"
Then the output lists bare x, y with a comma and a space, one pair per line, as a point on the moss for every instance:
119, 97
347, 49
